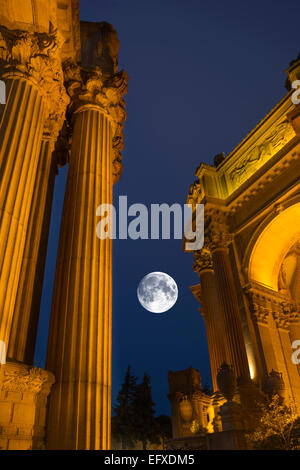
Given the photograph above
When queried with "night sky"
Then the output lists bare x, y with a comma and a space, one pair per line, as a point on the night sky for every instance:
202, 75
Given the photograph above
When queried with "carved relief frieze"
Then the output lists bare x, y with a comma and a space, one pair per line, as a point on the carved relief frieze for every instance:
259, 154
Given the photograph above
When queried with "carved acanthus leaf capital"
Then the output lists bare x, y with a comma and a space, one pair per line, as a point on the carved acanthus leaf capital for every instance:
260, 313
107, 91
281, 316
202, 260
259, 305
217, 234
36, 58
34, 380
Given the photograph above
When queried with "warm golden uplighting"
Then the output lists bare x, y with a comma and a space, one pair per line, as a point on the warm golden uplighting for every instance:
272, 245
251, 371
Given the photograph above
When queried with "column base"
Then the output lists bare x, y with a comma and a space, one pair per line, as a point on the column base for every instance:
23, 402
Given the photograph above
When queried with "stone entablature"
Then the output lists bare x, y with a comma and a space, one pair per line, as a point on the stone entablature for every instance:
234, 173
265, 302
40, 15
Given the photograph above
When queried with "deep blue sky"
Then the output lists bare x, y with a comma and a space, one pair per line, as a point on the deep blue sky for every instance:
202, 75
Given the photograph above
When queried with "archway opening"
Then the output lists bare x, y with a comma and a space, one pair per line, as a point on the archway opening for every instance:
272, 246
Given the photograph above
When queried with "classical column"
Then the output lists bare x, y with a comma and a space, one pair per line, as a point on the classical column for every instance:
79, 346
30, 69
26, 314
218, 239
203, 265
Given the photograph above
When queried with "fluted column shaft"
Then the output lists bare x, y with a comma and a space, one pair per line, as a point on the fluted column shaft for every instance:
25, 321
231, 315
213, 322
20, 136
79, 346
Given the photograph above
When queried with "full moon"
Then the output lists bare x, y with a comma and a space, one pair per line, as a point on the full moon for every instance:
157, 292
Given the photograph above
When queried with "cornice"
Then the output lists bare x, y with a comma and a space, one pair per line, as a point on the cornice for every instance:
268, 140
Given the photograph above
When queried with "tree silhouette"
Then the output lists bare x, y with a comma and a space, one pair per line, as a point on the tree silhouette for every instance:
146, 429
164, 428
123, 421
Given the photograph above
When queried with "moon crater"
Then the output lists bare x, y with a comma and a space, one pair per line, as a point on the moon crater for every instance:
157, 292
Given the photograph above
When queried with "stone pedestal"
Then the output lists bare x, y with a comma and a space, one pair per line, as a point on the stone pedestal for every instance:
231, 416
23, 404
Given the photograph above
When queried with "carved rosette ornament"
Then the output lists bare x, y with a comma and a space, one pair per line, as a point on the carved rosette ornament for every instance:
202, 260
94, 88
35, 57
217, 235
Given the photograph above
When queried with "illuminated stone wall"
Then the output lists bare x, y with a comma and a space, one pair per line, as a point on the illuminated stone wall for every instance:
249, 287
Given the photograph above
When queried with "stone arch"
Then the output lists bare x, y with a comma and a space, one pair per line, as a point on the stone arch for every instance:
270, 244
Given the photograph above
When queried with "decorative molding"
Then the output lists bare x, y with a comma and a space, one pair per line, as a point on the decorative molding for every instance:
263, 182
265, 303
92, 87
195, 193
202, 260
36, 57
217, 234
26, 379
259, 154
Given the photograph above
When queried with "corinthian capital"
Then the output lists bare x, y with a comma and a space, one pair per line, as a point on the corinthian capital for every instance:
202, 260
217, 233
36, 58
21, 378
106, 91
